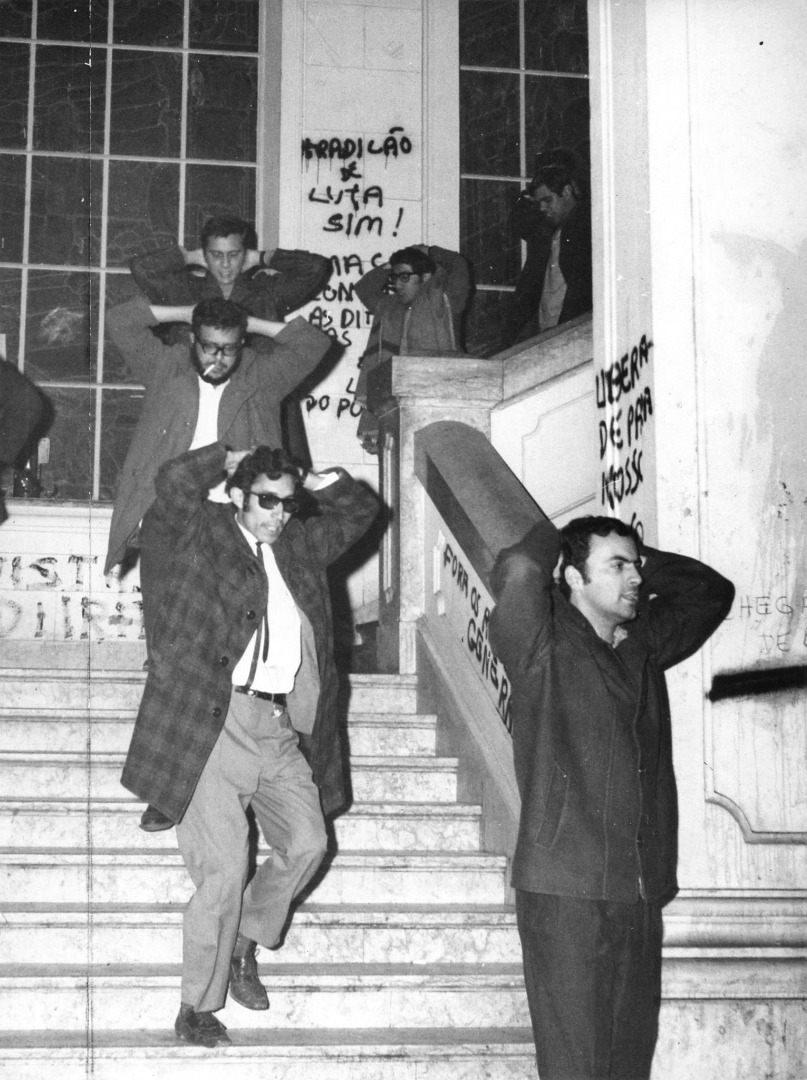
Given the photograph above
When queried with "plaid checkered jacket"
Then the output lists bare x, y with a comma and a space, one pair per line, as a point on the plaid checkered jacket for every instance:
215, 595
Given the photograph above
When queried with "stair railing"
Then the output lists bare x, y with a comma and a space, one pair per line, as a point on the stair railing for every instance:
456, 500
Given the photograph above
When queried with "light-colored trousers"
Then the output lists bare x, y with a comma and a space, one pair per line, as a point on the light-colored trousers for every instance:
255, 761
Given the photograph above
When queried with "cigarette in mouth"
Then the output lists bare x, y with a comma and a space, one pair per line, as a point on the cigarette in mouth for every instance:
209, 367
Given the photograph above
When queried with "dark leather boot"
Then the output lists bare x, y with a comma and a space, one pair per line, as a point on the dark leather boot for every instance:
201, 1028
245, 986
153, 820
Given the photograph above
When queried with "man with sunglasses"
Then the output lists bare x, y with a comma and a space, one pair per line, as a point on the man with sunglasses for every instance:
418, 301
213, 387
242, 651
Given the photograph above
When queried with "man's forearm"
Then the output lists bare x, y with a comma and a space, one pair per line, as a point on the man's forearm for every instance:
183, 482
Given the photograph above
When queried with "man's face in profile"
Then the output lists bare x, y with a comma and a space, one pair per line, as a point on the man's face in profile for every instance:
216, 352
224, 257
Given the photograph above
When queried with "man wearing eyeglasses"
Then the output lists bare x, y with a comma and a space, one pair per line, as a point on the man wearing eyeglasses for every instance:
212, 387
209, 389
242, 655
269, 284
418, 301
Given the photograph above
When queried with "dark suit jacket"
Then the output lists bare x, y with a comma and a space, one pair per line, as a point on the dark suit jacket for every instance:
575, 264
215, 596
21, 409
249, 413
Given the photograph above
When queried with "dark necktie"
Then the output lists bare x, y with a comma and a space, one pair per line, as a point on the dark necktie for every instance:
261, 650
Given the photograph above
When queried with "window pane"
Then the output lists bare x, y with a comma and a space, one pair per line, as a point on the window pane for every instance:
15, 18
556, 36
222, 107
487, 239
12, 206
211, 190
489, 122
69, 473
489, 33
10, 285
60, 309
119, 289
120, 412
62, 228
143, 208
148, 22
224, 24
69, 99
146, 104
557, 114
14, 61
79, 20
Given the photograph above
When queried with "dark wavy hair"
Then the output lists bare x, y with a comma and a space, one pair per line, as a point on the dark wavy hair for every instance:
271, 462
575, 542
420, 262
219, 313
557, 168
227, 226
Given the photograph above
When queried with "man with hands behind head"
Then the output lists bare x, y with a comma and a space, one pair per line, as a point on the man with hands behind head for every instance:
242, 660
595, 859
269, 284
418, 302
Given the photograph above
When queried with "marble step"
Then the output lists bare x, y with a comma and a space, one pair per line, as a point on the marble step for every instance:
477, 1053
97, 776
103, 690
38, 730
109, 877
129, 934
114, 823
78, 655
60, 997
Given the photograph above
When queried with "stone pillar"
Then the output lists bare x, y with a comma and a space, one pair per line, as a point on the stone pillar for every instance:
407, 393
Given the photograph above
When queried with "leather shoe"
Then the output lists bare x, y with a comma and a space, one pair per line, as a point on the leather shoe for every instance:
201, 1028
245, 986
152, 820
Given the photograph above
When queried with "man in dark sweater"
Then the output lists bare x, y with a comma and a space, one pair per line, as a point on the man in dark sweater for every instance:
553, 215
596, 855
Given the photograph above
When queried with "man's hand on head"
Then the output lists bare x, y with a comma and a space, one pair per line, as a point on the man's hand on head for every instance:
168, 313
234, 458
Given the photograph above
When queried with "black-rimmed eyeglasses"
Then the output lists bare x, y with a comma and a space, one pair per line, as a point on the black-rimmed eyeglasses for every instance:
403, 277
210, 349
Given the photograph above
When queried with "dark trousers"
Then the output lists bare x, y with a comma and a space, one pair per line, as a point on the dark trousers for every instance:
593, 975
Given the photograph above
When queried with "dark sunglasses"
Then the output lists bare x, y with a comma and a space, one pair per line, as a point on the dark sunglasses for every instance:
267, 501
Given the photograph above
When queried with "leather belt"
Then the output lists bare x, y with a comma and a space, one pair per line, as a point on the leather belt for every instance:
277, 699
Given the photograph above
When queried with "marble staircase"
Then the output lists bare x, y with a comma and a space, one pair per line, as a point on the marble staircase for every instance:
402, 963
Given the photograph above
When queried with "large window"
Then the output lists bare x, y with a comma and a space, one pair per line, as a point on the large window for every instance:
124, 125
523, 90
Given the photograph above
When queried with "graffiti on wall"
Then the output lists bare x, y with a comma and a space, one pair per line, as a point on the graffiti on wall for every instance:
777, 623
65, 598
625, 411
355, 216
467, 605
